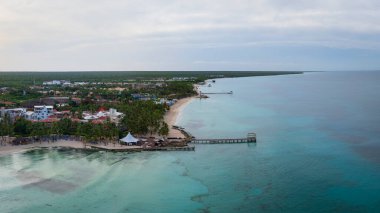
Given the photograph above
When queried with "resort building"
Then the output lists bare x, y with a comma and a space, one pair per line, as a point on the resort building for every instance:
166, 101
42, 112
115, 116
13, 113
143, 96
29, 115
56, 83
182, 78
112, 115
80, 83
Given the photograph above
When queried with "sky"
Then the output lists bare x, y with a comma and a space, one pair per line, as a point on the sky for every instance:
101, 35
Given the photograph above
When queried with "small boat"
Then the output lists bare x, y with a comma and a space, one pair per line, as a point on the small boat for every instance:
209, 85
213, 81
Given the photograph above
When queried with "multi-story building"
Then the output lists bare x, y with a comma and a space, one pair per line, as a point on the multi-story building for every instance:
42, 112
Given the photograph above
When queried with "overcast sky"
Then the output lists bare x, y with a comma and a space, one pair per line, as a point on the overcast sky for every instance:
48, 35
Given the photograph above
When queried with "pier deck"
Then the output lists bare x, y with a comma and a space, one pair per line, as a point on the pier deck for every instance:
185, 148
251, 138
139, 149
214, 93
116, 149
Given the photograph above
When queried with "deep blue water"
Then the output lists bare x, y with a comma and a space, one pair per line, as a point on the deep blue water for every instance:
318, 143
318, 150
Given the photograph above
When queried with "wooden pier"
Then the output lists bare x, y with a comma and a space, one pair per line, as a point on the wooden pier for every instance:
251, 138
116, 149
139, 149
215, 93
185, 148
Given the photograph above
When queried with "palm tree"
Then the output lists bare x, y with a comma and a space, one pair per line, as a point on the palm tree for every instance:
164, 129
6, 127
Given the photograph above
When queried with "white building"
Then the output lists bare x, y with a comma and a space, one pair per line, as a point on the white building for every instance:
80, 83
53, 82
166, 101
29, 115
66, 84
113, 115
56, 82
42, 112
13, 113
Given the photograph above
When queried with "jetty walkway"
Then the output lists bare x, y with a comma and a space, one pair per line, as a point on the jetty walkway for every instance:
139, 149
251, 138
214, 93
185, 148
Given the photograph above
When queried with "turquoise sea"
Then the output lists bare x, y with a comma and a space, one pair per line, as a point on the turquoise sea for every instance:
318, 150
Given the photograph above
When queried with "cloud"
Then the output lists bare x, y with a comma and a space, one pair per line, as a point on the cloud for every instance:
168, 34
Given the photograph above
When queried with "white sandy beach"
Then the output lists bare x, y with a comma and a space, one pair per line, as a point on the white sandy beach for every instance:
172, 116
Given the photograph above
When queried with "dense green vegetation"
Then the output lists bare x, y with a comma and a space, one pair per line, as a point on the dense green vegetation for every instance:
180, 89
142, 117
19, 95
173, 90
20, 79
6, 126
106, 132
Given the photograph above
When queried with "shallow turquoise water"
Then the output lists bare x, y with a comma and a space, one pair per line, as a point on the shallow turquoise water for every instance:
66, 180
318, 150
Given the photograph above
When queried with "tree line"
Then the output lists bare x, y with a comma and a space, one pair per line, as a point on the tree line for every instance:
141, 117
89, 132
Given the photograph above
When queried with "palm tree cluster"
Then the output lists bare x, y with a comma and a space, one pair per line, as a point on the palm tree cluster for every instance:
144, 117
141, 117
105, 132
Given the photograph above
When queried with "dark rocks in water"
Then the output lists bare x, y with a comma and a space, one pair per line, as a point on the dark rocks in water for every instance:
203, 96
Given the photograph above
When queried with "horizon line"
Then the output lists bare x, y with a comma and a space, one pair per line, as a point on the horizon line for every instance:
372, 70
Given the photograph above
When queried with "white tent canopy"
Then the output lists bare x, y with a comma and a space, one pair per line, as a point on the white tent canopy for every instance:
129, 139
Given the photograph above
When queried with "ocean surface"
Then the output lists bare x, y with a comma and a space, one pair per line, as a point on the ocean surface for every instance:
317, 150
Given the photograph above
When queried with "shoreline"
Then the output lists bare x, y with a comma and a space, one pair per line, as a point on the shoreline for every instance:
173, 114
170, 118
9, 149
